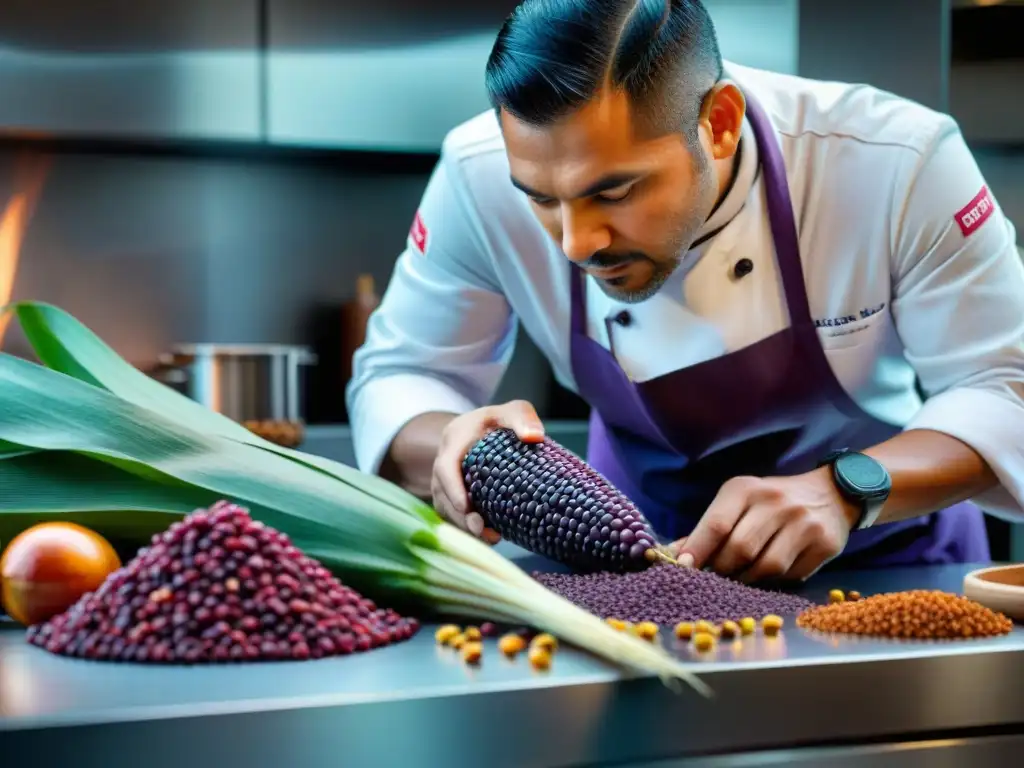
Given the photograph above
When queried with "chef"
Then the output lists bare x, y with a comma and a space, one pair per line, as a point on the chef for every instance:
795, 307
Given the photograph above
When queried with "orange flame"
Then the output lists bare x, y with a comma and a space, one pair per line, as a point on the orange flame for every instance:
29, 174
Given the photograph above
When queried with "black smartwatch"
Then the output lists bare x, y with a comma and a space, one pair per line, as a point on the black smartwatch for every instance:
861, 480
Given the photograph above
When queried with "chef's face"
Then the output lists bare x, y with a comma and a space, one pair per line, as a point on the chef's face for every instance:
624, 205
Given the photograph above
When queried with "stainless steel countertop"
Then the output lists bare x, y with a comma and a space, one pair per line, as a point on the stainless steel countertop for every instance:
414, 703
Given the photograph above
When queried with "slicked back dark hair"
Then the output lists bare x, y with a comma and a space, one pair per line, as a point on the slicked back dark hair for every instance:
552, 56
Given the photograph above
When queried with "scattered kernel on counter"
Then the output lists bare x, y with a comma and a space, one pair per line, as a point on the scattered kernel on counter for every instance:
472, 651
648, 630
446, 634
472, 633
771, 624
487, 629
545, 641
836, 596
511, 644
917, 614
616, 624
853, 595
706, 627
703, 641
747, 625
684, 630
729, 629
458, 641
540, 658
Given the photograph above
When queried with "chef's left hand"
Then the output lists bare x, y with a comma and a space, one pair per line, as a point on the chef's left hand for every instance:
773, 527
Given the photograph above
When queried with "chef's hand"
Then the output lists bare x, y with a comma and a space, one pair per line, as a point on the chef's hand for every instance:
451, 499
773, 527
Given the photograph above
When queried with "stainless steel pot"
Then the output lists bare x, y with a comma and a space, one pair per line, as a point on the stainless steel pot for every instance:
245, 382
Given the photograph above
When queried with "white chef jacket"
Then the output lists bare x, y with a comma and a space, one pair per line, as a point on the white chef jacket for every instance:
911, 269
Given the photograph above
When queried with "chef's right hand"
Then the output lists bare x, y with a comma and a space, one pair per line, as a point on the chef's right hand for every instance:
451, 497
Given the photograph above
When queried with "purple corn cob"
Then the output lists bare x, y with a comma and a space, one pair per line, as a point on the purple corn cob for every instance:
544, 498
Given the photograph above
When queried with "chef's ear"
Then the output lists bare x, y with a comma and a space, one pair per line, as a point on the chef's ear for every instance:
721, 116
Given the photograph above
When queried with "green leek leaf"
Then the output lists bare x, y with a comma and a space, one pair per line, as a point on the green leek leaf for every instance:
65, 344
63, 481
74, 487
81, 419
47, 410
124, 509
12, 450
128, 510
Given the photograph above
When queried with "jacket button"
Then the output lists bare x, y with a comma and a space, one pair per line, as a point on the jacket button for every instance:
743, 268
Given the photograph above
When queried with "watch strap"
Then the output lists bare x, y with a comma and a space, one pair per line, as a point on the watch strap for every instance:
870, 503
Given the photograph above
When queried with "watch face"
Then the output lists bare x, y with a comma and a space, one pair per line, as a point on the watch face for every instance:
864, 473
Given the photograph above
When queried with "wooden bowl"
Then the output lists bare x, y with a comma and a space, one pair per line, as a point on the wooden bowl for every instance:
999, 587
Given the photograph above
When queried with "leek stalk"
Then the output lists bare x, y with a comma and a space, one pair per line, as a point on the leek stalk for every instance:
86, 436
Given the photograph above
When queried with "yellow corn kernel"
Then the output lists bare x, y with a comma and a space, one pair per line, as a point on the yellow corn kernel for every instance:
648, 630
540, 658
684, 630
511, 644
446, 634
545, 641
703, 641
472, 651
706, 627
729, 629
771, 625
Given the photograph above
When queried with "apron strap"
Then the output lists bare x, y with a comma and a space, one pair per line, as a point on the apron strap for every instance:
781, 215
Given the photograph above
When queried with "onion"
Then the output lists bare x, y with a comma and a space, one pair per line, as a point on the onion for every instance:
48, 567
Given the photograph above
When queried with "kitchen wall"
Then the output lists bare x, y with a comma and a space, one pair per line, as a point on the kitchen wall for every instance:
153, 250
1004, 170
201, 149
152, 246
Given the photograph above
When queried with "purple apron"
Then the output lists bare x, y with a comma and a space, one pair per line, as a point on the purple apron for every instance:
772, 408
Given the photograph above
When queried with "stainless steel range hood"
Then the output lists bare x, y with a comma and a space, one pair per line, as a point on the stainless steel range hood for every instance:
390, 74
187, 69
397, 73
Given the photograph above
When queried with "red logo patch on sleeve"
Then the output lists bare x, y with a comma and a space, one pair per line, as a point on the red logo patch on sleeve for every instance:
975, 213
418, 233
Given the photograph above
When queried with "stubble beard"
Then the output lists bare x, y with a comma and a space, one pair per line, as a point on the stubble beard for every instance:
684, 237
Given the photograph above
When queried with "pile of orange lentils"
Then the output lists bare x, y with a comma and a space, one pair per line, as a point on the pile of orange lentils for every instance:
917, 614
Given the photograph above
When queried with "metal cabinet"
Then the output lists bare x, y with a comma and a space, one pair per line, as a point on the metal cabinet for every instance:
987, 64
399, 74
757, 33
188, 69
907, 53
387, 75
